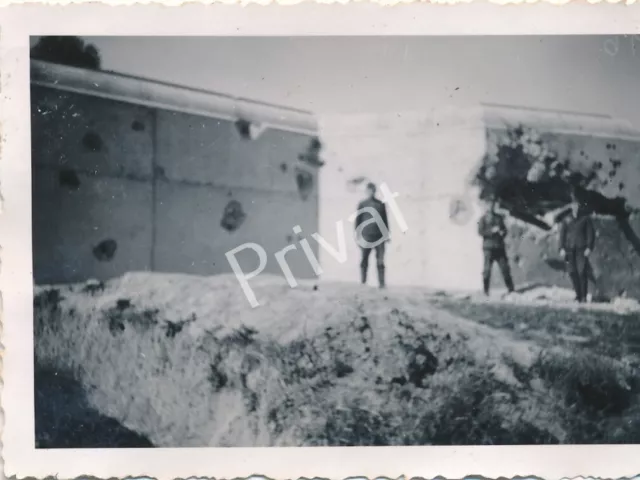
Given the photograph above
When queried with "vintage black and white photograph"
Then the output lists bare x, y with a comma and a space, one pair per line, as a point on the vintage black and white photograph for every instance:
335, 241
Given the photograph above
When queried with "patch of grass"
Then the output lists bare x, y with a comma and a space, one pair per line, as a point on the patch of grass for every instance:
335, 369
612, 335
593, 393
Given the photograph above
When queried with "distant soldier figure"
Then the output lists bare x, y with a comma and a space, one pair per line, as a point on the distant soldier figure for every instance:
493, 231
372, 232
577, 239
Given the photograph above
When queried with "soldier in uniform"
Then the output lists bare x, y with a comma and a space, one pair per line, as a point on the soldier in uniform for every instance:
372, 232
577, 239
493, 231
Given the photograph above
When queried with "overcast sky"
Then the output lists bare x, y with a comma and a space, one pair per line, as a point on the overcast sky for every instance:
366, 74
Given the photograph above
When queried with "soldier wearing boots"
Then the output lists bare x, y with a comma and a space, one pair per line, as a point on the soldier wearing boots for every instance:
493, 231
372, 233
577, 239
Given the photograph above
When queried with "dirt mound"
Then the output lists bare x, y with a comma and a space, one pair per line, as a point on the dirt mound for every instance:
186, 361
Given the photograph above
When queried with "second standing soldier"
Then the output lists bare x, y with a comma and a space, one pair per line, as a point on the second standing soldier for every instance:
493, 231
577, 239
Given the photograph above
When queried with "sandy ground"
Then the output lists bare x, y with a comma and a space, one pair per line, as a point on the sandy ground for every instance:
184, 361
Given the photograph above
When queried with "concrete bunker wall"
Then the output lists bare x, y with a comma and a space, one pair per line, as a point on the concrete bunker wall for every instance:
122, 187
534, 254
423, 157
429, 160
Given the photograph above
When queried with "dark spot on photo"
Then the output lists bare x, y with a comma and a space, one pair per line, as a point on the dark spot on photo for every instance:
137, 126
105, 250
69, 178
123, 303
92, 142
233, 216
244, 129
304, 181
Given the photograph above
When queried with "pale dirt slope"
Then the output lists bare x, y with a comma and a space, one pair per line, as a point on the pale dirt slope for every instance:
185, 361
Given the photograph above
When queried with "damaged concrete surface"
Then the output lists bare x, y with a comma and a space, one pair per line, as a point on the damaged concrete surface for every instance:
185, 361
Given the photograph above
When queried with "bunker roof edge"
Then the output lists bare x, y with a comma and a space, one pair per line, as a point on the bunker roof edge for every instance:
166, 96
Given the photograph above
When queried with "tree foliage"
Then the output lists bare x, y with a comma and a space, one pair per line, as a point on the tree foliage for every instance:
529, 179
67, 50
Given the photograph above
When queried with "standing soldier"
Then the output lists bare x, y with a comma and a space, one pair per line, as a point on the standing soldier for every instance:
372, 232
493, 231
577, 239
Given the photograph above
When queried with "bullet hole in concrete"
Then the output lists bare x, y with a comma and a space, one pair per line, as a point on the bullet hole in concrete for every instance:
244, 128
233, 216
92, 142
304, 181
283, 167
105, 250
311, 155
69, 178
137, 126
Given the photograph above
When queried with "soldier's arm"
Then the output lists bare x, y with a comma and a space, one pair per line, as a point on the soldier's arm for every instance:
503, 226
482, 227
358, 216
562, 235
383, 214
590, 233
